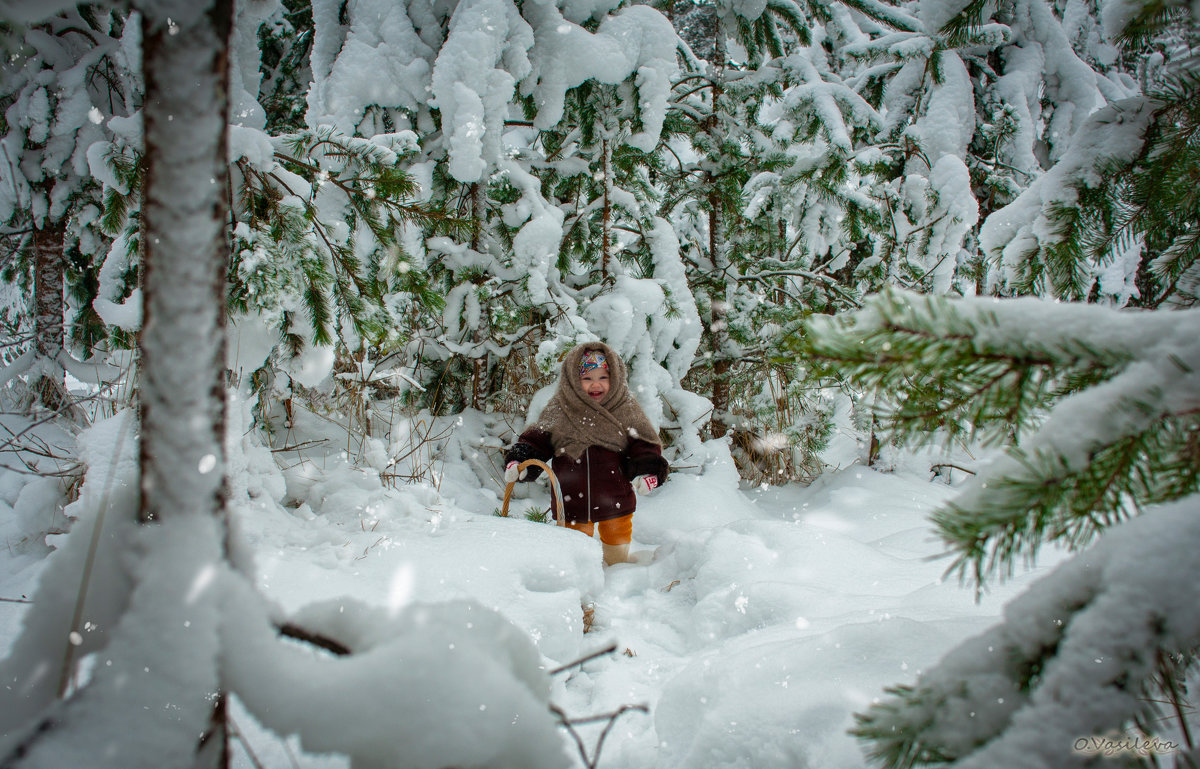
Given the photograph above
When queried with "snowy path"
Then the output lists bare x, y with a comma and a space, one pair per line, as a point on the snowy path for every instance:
756, 626
768, 618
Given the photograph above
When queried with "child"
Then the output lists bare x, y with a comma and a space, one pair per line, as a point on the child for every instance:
600, 445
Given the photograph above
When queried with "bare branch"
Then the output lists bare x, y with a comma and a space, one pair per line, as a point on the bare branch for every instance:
606, 650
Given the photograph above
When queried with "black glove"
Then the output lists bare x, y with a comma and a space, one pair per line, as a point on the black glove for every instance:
519, 453
646, 464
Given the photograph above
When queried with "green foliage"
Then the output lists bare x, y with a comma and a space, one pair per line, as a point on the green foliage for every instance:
783, 420
64, 79
1091, 404
973, 372
1154, 200
1139, 205
1069, 504
943, 374
998, 182
322, 233
1095, 409
120, 203
285, 43
604, 182
537, 515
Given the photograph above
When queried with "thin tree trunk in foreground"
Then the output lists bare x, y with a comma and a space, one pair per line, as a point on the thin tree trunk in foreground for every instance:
182, 342
157, 700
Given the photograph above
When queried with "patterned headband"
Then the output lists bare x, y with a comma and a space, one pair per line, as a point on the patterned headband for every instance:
592, 359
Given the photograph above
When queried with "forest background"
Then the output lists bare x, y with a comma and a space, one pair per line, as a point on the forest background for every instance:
771, 209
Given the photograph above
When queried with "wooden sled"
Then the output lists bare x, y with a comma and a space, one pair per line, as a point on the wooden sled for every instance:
555, 488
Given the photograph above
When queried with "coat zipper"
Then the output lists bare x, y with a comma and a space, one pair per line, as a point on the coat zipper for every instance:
587, 456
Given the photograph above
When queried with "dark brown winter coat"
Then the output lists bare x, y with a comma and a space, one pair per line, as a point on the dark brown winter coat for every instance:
595, 487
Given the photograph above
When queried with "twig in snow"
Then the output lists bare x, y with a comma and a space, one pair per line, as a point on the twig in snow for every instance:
236, 733
367, 550
940, 465
301, 446
569, 724
89, 562
295, 632
606, 650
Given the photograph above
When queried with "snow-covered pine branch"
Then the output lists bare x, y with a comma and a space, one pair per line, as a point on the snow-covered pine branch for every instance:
67, 81
1102, 407
1094, 655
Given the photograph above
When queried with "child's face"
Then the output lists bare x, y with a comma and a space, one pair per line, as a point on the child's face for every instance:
595, 383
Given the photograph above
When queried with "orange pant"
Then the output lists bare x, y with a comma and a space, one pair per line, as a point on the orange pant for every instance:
618, 531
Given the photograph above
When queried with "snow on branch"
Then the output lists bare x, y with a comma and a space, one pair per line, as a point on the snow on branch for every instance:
1080, 660
1102, 404
450, 684
1027, 234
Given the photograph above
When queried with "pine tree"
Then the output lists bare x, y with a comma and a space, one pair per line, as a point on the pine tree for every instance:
1139, 229
323, 219
68, 79
705, 191
543, 150
781, 188
1097, 408
1117, 436
182, 421
172, 606
1053, 230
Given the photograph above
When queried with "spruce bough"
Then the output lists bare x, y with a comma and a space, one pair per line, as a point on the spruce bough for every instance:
1099, 411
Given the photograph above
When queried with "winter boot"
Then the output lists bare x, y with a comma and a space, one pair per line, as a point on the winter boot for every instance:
615, 553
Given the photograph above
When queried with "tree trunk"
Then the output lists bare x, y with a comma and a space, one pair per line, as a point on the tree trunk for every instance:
479, 361
606, 220
719, 324
161, 673
49, 306
717, 243
182, 342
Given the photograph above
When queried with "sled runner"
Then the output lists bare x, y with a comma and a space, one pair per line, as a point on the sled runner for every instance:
555, 488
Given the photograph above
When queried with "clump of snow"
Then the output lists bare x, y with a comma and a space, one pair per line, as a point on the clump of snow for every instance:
380, 39
475, 77
39, 506
97, 587
451, 684
954, 215
250, 342
311, 367
472, 71
1024, 226
252, 144
123, 312
245, 59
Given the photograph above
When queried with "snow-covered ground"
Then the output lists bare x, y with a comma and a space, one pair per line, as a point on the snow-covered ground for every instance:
752, 627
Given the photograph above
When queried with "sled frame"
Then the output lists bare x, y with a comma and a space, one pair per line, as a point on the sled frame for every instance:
555, 488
